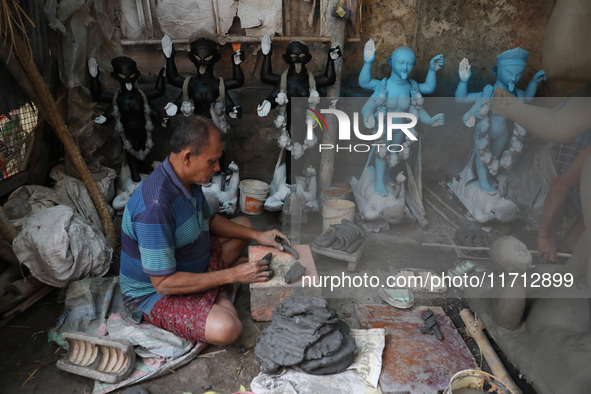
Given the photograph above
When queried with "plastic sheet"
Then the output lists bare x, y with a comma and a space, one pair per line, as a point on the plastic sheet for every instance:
58, 246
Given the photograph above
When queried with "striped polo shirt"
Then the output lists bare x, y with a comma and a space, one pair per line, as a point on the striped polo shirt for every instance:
164, 229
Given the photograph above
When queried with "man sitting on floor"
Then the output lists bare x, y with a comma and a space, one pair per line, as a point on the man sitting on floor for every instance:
176, 254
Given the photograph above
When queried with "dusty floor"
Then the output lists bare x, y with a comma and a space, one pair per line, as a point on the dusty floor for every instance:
28, 361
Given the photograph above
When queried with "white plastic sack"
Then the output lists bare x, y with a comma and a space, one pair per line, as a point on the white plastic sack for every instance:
58, 246
182, 18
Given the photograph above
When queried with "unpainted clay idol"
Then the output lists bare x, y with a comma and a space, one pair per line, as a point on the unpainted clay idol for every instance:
305, 332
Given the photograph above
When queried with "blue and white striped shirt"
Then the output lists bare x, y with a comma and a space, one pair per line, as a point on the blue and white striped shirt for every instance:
164, 229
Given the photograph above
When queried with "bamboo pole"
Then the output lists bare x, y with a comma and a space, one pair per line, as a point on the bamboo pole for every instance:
242, 39
476, 329
47, 102
336, 28
482, 248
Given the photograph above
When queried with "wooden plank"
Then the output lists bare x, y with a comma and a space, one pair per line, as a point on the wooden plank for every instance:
440, 212
436, 197
413, 362
481, 248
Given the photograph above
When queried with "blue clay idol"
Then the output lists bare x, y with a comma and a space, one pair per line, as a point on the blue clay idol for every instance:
398, 93
496, 140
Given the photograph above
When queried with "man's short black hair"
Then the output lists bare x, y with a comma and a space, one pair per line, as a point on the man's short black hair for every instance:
193, 133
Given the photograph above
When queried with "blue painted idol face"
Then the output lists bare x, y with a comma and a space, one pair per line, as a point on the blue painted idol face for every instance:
402, 61
509, 75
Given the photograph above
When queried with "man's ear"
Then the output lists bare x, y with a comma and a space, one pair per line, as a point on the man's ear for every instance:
389, 61
186, 155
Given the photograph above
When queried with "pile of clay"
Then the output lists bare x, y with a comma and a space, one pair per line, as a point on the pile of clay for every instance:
305, 333
347, 237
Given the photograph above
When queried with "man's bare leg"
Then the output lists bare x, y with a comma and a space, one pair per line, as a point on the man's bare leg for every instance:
222, 326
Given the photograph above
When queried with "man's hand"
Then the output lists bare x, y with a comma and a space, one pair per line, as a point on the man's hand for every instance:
92, 67
464, 70
268, 238
252, 272
369, 51
167, 46
437, 63
266, 44
502, 101
546, 248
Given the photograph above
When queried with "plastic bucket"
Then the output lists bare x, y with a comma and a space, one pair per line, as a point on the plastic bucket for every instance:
253, 194
475, 381
334, 193
334, 211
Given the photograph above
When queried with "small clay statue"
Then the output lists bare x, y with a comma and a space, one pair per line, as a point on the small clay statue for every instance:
278, 189
222, 191
130, 107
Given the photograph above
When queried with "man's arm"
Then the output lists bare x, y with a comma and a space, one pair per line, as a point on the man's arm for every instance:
189, 283
553, 124
555, 203
223, 227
